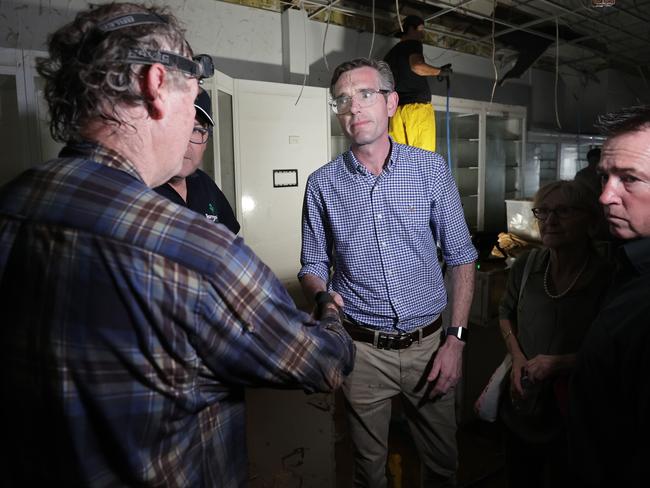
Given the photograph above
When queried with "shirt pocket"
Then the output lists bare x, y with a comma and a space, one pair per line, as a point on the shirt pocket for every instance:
417, 216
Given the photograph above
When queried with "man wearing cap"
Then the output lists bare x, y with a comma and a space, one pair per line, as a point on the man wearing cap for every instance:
132, 325
414, 122
192, 187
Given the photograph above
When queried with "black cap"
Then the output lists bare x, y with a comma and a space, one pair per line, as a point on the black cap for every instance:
203, 106
410, 21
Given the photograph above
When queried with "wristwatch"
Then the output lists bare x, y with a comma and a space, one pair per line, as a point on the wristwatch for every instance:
459, 333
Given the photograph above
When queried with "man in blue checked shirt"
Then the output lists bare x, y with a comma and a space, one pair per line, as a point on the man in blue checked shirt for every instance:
131, 325
374, 215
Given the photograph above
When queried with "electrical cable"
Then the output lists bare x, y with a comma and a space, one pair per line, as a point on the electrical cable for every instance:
399, 20
304, 79
494, 52
372, 42
327, 26
557, 68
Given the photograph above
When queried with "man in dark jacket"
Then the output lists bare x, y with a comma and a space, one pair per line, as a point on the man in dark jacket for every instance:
610, 392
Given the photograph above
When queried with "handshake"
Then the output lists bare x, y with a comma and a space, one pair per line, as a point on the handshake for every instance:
445, 71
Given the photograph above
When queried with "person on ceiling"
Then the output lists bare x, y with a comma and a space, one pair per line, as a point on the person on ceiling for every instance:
414, 122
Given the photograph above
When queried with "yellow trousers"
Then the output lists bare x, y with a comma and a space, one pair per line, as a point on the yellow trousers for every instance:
414, 124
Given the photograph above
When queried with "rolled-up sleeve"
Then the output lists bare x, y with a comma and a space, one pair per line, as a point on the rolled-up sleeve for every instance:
448, 220
315, 254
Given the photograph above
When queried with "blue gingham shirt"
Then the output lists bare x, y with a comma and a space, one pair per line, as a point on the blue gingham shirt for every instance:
131, 326
379, 235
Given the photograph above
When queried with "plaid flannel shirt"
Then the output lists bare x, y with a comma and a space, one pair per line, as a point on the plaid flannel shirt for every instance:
132, 326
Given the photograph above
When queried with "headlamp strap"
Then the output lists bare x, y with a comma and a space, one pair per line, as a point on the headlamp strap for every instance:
129, 20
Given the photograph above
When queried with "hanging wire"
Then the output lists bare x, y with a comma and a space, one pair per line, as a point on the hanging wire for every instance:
494, 52
329, 17
304, 24
557, 68
399, 20
372, 42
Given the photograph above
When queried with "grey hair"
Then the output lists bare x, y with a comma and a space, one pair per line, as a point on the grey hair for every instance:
576, 195
86, 77
386, 80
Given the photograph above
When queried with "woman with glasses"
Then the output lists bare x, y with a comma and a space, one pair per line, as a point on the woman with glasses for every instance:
552, 296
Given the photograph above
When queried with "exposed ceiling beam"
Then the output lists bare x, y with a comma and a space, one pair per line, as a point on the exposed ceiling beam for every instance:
429, 18
331, 4
591, 19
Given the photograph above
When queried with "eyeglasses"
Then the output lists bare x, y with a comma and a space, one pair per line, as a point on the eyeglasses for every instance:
365, 98
200, 135
562, 212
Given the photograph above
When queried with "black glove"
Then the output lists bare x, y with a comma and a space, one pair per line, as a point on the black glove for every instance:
445, 71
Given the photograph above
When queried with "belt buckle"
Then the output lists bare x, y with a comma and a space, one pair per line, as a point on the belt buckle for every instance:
394, 341
406, 337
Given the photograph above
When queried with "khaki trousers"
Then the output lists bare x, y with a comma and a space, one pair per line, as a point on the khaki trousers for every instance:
379, 375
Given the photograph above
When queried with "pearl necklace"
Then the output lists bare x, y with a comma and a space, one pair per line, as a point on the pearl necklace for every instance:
575, 280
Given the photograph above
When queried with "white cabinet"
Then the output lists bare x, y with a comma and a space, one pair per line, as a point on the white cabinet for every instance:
279, 143
24, 127
484, 145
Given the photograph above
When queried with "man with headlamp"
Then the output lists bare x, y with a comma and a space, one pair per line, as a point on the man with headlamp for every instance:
132, 325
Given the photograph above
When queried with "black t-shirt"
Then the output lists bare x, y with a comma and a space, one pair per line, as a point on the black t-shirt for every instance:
205, 197
410, 87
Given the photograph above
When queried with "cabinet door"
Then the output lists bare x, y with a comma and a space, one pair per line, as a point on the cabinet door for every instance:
219, 158
463, 155
18, 137
503, 160
278, 145
13, 157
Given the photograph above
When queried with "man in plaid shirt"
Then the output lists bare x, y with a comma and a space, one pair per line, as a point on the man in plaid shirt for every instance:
132, 324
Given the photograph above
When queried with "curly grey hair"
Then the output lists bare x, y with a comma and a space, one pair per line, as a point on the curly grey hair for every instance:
86, 74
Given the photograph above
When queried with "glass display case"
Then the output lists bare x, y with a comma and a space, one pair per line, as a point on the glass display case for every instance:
463, 153
552, 156
485, 153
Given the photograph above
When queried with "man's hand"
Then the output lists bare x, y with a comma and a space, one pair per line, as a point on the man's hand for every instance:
445, 71
447, 367
325, 300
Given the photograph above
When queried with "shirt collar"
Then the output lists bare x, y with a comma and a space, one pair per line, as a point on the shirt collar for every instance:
638, 254
355, 165
100, 154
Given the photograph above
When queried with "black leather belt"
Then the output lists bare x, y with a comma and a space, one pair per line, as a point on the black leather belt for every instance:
383, 340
